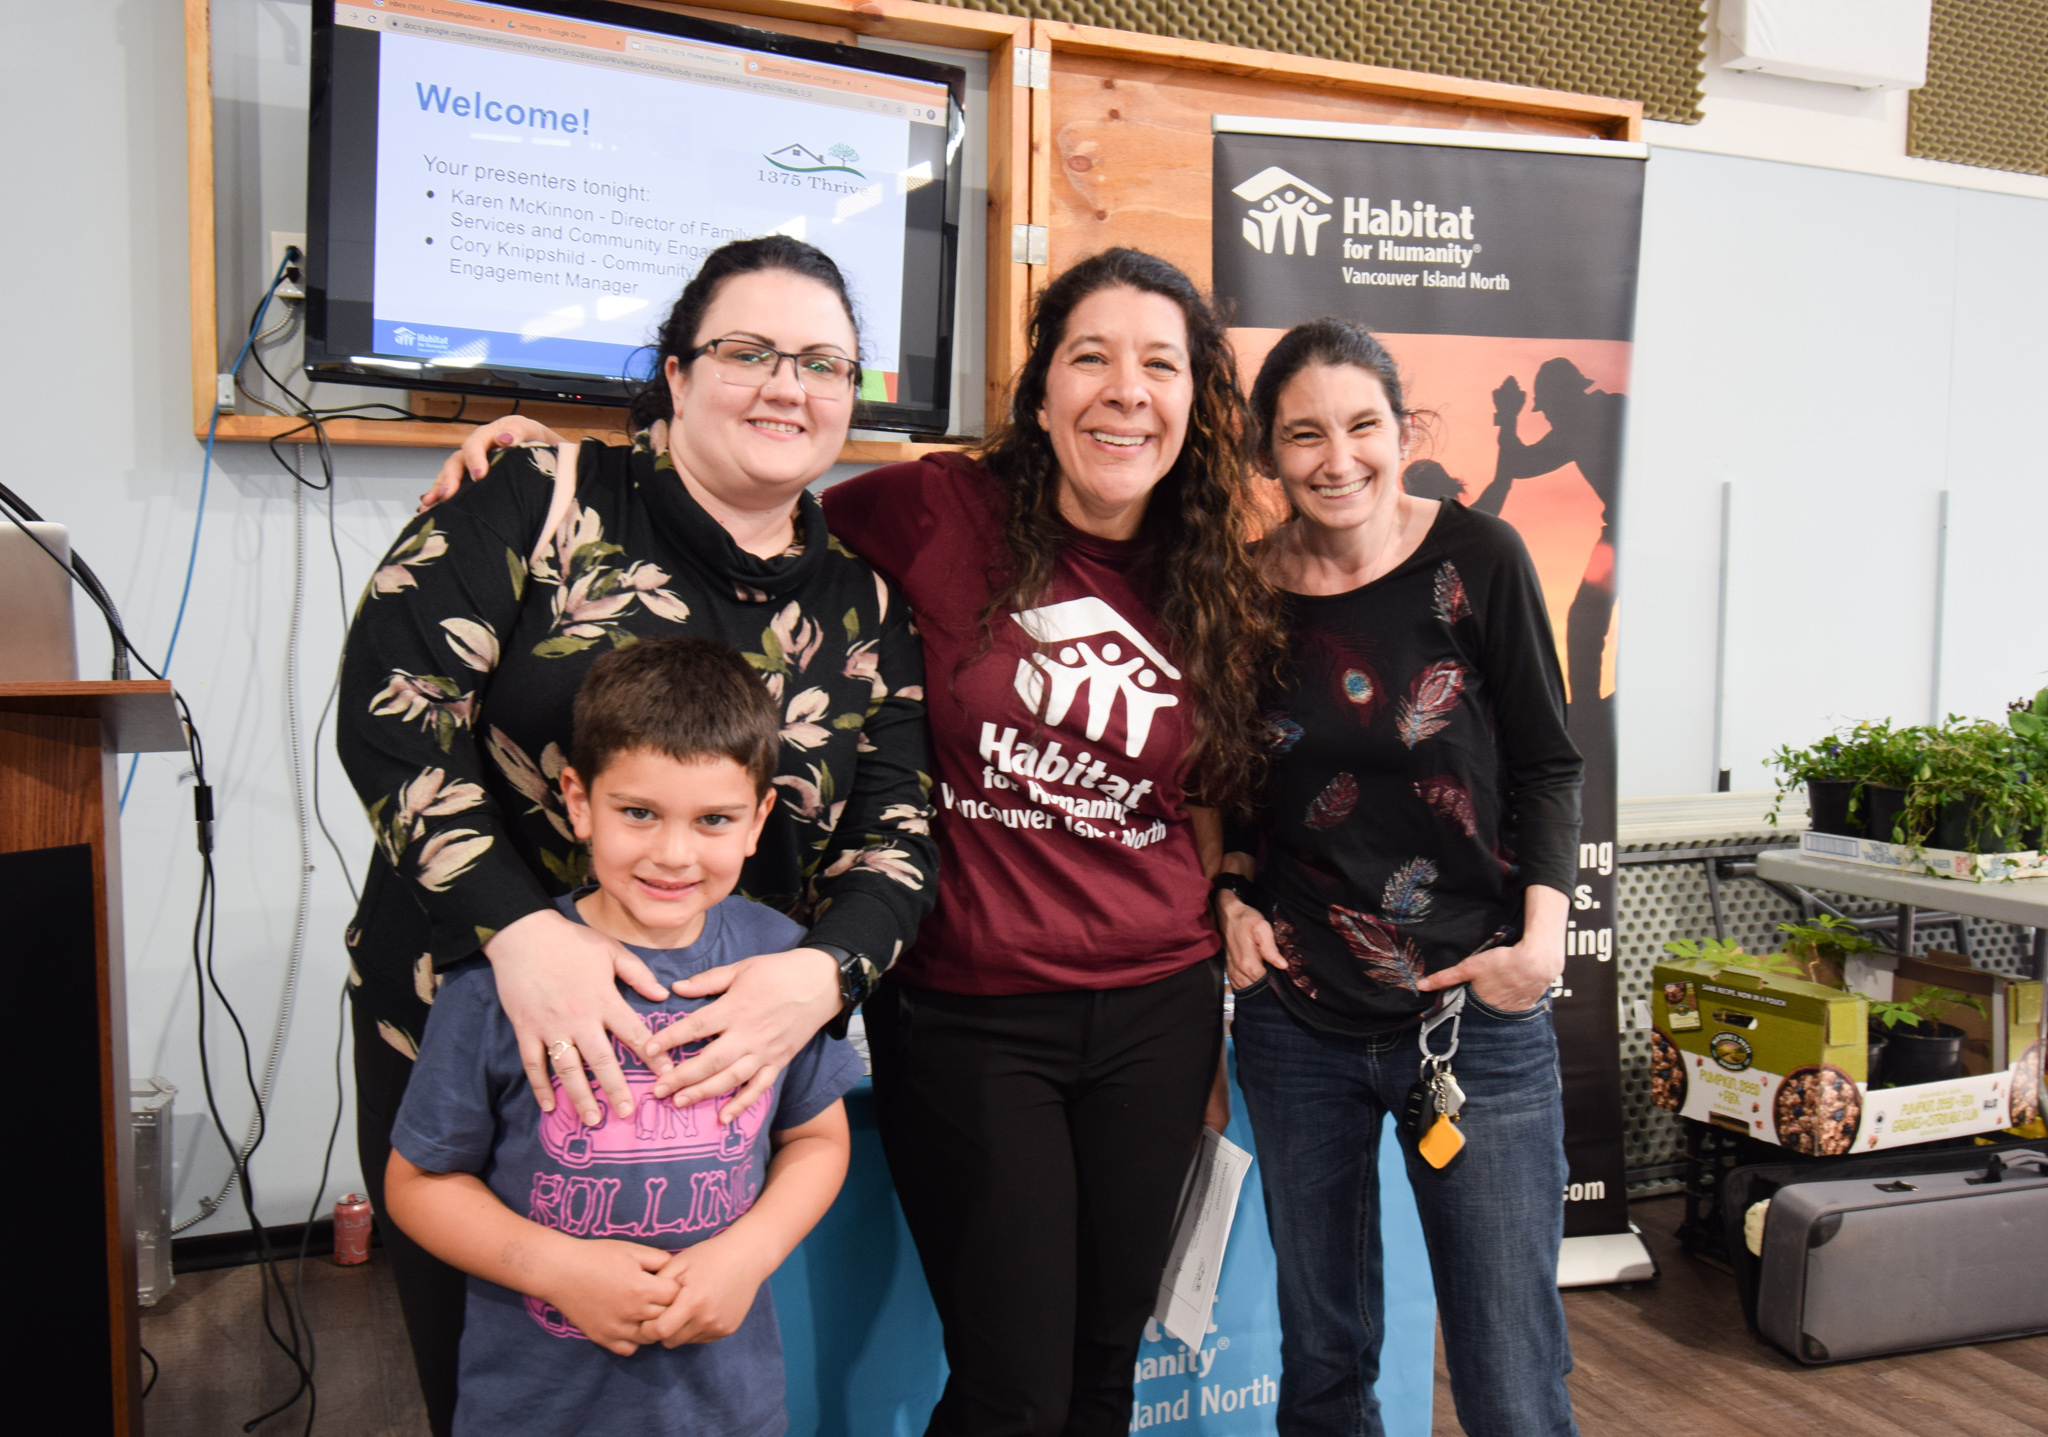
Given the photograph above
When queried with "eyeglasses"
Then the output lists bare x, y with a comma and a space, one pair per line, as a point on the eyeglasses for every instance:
751, 365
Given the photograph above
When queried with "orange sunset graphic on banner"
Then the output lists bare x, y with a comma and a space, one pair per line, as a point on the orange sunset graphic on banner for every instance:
1450, 381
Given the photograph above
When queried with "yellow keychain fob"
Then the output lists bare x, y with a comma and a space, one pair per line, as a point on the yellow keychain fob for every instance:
1442, 1142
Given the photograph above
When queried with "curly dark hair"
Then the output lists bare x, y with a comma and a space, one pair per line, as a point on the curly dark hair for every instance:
1209, 595
678, 335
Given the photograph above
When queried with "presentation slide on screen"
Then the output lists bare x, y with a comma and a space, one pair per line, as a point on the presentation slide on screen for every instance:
540, 209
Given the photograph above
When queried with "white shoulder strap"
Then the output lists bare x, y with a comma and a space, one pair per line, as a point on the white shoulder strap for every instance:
564, 499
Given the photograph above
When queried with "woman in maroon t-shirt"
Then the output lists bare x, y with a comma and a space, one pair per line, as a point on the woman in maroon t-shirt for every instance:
1043, 1051
1092, 623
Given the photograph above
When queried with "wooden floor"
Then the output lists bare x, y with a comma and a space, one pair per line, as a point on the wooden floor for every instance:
217, 1369
1670, 1359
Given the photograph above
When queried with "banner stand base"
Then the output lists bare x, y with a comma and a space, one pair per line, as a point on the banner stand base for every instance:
1606, 1258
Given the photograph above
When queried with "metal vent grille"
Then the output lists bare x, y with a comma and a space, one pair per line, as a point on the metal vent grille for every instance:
1662, 901
1647, 50
1986, 98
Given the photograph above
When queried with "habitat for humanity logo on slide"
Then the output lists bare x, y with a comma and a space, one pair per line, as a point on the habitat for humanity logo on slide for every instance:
801, 161
1283, 207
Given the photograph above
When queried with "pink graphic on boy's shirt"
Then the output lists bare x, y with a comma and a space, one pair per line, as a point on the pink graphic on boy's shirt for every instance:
658, 1131
659, 1213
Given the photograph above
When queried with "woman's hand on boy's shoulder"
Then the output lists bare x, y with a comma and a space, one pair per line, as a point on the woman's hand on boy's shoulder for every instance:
716, 1283
610, 1289
767, 1008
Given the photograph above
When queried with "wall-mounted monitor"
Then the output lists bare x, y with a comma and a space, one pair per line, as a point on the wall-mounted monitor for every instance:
506, 200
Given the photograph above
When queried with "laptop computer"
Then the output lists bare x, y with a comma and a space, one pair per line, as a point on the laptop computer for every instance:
36, 641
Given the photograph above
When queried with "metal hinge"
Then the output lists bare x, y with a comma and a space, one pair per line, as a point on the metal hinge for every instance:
1033, 69
1027, 244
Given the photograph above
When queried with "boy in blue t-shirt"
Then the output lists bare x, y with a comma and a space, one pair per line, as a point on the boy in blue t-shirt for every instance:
616, 1271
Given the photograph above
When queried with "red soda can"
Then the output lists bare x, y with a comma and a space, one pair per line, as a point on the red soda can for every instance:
352, 1230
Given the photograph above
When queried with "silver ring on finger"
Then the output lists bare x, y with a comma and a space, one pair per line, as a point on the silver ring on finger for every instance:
560, 1048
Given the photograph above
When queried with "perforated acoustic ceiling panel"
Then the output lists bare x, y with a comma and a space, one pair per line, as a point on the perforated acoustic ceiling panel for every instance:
1986, 100
1648, 50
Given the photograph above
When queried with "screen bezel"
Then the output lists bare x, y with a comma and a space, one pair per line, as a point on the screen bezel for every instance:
341, 216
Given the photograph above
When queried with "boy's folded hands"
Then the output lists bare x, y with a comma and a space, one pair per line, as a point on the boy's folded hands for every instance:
612, 1290
624, 1296
716, 1283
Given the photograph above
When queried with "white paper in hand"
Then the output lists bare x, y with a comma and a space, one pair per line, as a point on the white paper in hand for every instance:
1201, 1233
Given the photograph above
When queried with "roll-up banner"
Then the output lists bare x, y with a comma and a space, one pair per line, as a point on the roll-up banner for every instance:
1500, 272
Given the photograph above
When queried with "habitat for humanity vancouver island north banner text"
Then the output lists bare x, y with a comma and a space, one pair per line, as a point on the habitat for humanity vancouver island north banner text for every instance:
1500, 272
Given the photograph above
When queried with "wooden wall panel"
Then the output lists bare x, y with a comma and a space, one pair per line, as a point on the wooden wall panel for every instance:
1130, 144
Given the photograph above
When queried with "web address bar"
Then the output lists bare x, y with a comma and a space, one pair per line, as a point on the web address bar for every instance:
692, 64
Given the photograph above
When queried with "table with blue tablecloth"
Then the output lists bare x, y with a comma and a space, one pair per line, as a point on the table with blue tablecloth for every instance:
861, 1339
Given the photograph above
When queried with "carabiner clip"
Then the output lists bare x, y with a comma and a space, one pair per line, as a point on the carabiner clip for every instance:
1447, 1011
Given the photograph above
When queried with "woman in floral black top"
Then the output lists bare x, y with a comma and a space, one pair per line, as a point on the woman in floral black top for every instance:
1418, 835
457, 685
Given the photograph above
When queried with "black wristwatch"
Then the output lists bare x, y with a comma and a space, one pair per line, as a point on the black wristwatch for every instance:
857, 975
1245, 889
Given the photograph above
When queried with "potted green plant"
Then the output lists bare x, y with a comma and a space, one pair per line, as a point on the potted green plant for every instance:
1822, 769
2028, 720
1891, 758
1979, 788
1918, 1047
1823, 945
1826, 939
1730, 954
1845, 774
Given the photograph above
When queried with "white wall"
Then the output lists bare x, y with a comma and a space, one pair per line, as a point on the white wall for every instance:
104, 423
1842, 345
1842, 332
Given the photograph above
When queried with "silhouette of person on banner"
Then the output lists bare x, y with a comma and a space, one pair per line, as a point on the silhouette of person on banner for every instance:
1585, 429
1427, 479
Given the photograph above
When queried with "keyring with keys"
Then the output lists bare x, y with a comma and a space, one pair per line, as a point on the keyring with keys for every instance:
1431, 1112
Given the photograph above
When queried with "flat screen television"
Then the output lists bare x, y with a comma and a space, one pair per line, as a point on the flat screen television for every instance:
506, 200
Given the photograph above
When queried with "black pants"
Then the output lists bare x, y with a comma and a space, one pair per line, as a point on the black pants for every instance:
1039, 1144
430, 1292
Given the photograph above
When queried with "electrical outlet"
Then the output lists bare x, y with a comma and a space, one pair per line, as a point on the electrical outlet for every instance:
224, 393
293, 287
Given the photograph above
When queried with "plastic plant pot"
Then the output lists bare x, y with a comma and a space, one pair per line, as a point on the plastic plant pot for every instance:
1827, 803
1878, 1043
1928, 1053
1958, 825
1882, 804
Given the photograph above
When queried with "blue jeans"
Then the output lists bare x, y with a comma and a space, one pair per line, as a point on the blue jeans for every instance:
1493, 1218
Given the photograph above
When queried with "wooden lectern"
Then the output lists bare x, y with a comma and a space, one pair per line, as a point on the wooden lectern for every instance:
60, 931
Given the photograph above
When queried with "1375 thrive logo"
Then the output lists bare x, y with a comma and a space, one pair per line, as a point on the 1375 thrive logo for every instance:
800, 160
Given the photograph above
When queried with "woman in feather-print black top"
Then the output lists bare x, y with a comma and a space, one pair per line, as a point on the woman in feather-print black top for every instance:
1424, 705
1416, 843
